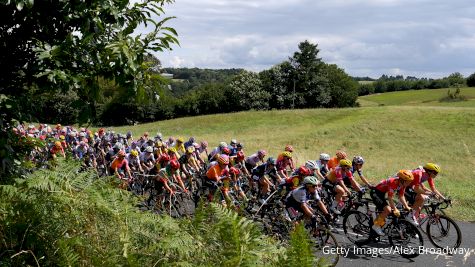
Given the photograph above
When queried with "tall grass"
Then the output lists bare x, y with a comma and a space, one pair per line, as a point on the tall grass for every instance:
389, 138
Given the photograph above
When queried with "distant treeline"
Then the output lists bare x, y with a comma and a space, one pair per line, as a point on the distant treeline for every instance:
399, 83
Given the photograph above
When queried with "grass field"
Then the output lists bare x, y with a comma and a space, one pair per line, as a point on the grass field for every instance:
428, 97
388, 137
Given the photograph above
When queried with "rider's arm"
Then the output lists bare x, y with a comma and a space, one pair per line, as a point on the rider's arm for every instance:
434, 190
306, 209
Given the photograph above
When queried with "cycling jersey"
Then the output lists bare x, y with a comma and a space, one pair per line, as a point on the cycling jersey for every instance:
253, 160
421, 176
390, 186
263, 169
282, 164
215, 172
353, 170
337, 175
333, 163
55, 150
119, 164
301, 195
133, 161
146, 158
293, 182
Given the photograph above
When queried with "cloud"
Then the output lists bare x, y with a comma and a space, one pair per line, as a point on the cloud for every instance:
365, 37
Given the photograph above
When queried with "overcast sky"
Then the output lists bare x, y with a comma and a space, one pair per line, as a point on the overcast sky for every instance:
422, 38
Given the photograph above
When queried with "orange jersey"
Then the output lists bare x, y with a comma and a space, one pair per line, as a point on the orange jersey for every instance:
333, 163
214, 172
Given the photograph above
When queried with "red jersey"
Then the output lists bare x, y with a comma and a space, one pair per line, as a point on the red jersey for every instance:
420, 176
391, 185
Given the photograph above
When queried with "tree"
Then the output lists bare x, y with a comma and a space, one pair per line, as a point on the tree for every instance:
248, 92
343, 89
456, 79
309, 87
69, 46
471, 80
277, 81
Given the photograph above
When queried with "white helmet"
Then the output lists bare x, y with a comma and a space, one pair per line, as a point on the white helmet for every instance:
311, 165
324, 156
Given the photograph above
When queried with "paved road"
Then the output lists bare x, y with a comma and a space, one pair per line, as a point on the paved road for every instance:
467, 258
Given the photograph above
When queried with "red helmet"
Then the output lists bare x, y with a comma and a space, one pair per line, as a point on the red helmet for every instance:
240, 155
234, 171
289, 148
304, 171
165, 157
226, 151
175, 165
121, 154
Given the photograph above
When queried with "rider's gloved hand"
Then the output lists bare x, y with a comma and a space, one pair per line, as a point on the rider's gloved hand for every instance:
396, 212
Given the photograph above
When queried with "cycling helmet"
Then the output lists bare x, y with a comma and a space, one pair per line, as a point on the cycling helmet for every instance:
191, 140
358, 160
341, 154
345, 163
287, 154
223, 159
311, 180
134, 153
289, 148
271, 160
261, 153
204, 144
190, 150
311, 165
180, 140
405, 175
129, 133
121, 154
226, 151
240, 145
196, 145
172, 149
174, 164
304, 171
61, 137
222, 145
165, 157
432, 167
233, 142
57, 144
324, 156
149, 149
240, 155
146, 134
234, 171
158, 144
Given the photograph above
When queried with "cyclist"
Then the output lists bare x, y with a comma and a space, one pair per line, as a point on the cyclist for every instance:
120, 166
90, 158
190, 142
215, 173
134, 161
188, 162
290, 149
162, 178
298, 199
283, 163
216, 151
296, 178
337, 181
180, 148
416, 192
234, 173
356, 166
322, 166
333, 162
398, 183
57, 148
261, 175
147, 160
252, 160
233, 147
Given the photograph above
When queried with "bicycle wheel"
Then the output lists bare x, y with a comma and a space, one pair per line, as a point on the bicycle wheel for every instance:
357, 227
443, 232
321, 237
405, 237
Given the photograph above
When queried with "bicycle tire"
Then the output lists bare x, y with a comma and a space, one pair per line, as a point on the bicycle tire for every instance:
321, 237
443, 229
403, 232
358, 231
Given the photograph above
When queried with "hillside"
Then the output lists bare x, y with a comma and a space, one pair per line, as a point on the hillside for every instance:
426, 97
389, 138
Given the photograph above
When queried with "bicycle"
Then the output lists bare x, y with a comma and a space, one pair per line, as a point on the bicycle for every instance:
439, 226
401, 233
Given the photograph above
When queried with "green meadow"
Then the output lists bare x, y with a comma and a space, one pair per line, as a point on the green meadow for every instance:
426, 97
388, 137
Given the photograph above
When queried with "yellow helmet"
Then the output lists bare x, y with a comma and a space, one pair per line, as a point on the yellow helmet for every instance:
172, 149
134, 153
287, 154
405, 175
345, 163
158, 144
432, 167
190, 150
57, 144
62, 137
180, 139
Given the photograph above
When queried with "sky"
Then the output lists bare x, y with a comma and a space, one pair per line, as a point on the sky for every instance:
419, 38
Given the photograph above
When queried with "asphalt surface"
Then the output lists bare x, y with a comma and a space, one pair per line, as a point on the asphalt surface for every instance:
431, 257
